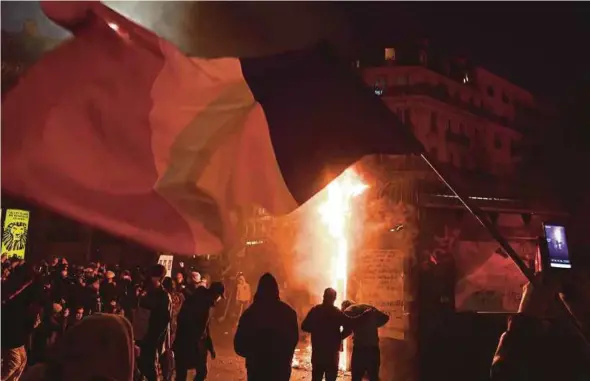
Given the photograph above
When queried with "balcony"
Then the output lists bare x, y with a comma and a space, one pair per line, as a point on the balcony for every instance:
441, 93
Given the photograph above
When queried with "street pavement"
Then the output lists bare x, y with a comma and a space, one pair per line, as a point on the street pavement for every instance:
230, 367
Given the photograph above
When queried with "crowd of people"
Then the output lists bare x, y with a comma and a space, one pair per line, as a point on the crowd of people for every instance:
40, 304
63, 322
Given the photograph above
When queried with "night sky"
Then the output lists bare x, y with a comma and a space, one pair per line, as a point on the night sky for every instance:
538, 45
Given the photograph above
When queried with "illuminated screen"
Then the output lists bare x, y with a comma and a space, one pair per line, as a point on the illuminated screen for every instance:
557, 247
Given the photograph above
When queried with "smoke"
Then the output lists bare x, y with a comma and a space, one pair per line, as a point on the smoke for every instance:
308, 249
324, 233
238, 29
173, 20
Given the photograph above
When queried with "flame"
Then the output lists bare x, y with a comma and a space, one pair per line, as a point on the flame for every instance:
335, 213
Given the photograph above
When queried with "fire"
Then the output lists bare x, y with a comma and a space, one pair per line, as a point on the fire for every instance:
335, 212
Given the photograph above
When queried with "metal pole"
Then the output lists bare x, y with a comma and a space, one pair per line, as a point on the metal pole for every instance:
481, 217
495, 233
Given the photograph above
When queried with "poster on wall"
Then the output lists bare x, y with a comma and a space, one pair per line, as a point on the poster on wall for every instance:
165, 259
495, 285
14, 235
381, 284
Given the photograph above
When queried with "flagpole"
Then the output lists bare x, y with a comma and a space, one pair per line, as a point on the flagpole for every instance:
482, 218
495, 233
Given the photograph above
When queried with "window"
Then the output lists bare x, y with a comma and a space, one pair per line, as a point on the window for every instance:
490, 91
433, 121
389, 54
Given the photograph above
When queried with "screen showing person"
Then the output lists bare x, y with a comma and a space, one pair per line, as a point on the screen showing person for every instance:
557, 246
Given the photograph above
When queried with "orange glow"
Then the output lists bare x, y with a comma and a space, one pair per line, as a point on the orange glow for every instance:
335, 212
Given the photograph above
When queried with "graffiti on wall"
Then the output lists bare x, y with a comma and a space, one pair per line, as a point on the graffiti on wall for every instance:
484, 278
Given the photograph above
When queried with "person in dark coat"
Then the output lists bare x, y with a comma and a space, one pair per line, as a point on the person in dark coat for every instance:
267, 334
62, 284
20, 316
539, 344
126, 294
93, 301
366, 355
328, 327
193, 340
108, 288
157, 302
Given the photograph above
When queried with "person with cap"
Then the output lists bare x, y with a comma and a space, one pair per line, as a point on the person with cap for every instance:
193, 340
99, 347
156, 302
267, 334
366, 356
328, 327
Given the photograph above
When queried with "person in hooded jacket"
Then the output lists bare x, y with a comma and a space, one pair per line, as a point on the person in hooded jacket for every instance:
328, 327
158, 303
100, 347
267, 334
539, 344
193, 340
20, 316
366, 356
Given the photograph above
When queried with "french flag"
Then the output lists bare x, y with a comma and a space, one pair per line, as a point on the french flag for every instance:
117, 128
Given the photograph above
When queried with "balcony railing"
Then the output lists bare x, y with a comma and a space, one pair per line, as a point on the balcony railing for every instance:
441, 93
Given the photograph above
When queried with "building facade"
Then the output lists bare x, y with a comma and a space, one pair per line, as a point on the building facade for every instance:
477, 127
466, 117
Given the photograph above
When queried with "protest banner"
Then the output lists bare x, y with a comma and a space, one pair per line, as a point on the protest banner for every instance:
166, 259
380, 274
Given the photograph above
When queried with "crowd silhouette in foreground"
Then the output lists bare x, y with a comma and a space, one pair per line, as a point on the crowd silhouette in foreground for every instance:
119, 325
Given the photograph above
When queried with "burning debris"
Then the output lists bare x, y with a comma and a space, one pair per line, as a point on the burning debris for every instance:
335, 211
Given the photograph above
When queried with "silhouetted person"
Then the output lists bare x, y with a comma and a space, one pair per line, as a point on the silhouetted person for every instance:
193, 340
366, 356
267, 334
157, 302
328, 327
539, 344
20, 315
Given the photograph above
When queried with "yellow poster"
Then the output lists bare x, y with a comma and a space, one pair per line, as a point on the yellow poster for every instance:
14, 235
